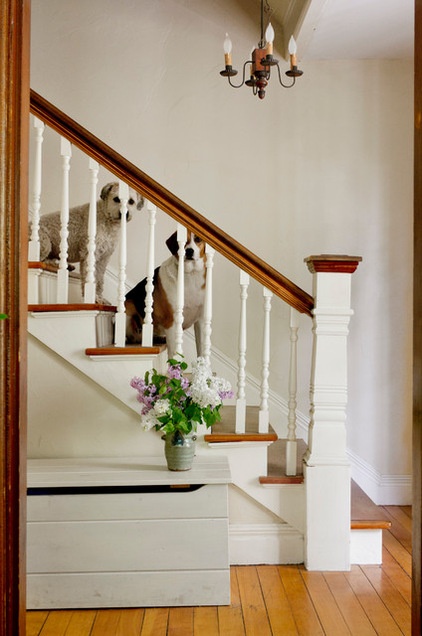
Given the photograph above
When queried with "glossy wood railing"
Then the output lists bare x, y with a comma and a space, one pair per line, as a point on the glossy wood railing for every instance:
172, 205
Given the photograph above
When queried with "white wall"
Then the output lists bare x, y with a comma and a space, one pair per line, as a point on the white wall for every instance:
323, 168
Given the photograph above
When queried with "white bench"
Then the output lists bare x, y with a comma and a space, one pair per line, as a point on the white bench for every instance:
127, 532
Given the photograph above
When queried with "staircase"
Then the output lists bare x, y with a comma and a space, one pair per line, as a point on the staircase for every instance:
271, 496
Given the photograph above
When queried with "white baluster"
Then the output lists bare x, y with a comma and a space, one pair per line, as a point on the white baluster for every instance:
263, 410
148, 327
181, 240
241, 377
63, 273
207, 327
90, 294
34, 243
120, 320
291, 444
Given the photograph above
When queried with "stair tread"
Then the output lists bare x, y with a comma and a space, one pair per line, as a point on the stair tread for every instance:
47, 267
224, 431
128, 350
71, 307
276, 465
365, 513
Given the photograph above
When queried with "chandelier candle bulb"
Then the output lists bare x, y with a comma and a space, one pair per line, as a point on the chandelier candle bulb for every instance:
292, 51
227, 50
269, 37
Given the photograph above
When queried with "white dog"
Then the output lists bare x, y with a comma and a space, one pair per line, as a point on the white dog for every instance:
108, 223
165, 296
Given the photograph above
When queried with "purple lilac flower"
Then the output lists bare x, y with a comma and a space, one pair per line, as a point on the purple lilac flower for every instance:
174, 371
226, 395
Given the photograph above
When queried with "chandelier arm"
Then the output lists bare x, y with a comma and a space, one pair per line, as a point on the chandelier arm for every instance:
281, 81
243, 78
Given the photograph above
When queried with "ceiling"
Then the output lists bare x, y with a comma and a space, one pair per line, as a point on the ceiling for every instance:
365, 29
341, 29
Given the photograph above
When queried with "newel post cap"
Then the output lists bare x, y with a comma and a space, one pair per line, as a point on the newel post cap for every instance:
337, 263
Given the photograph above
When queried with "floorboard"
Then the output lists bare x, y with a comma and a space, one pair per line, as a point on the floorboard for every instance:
352, 611
304, 612
253, 606
272, 600
278, 607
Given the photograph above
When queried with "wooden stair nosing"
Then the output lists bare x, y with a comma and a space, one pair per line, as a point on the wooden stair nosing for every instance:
59, 307
367, 524
282, 479
40, 265
129, 350
240, 437
47, 267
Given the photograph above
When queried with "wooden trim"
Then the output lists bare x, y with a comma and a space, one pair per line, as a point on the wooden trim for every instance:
14, 122
71, 307
44, 266
240, 437
173, 206
338, 264
367, 524
283, 479
417, 334
129, 350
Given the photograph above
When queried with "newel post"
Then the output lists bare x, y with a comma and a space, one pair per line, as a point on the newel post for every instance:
327, 469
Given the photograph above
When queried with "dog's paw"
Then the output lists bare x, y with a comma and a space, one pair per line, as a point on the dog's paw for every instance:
100, 300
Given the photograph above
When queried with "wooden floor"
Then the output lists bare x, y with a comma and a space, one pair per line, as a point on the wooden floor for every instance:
277, 600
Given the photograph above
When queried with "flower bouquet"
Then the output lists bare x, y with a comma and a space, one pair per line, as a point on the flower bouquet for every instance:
175, 401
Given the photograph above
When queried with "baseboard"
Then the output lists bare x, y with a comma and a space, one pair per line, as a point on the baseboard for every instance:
384, 490
270, 544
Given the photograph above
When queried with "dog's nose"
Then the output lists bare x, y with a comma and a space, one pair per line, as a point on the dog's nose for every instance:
189, 253
127, 215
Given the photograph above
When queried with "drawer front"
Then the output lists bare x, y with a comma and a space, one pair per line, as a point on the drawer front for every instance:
97, 546
128, 589
207, 501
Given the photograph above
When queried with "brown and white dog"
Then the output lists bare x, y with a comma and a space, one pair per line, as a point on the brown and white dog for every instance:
165, 296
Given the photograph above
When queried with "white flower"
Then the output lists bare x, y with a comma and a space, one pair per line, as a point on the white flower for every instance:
149, 421
161, 407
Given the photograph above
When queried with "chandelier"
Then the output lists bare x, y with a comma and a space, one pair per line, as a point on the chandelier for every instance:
262, 61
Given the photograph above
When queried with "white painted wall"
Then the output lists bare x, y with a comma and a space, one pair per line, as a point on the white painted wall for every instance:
323, 168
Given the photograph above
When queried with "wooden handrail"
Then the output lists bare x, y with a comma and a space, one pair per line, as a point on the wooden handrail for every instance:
169, 203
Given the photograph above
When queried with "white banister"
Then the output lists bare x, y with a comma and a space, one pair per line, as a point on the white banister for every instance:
63, 273
90, 295
241, 374
34, 243
120, 319
326, 467
148, 327
206, 345
181, 240
291, 444
264, 417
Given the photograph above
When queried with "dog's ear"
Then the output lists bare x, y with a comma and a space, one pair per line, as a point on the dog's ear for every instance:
172, 243
141, 202
106, 190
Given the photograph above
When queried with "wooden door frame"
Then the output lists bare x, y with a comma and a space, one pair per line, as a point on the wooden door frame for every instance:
14, 121
417, 332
